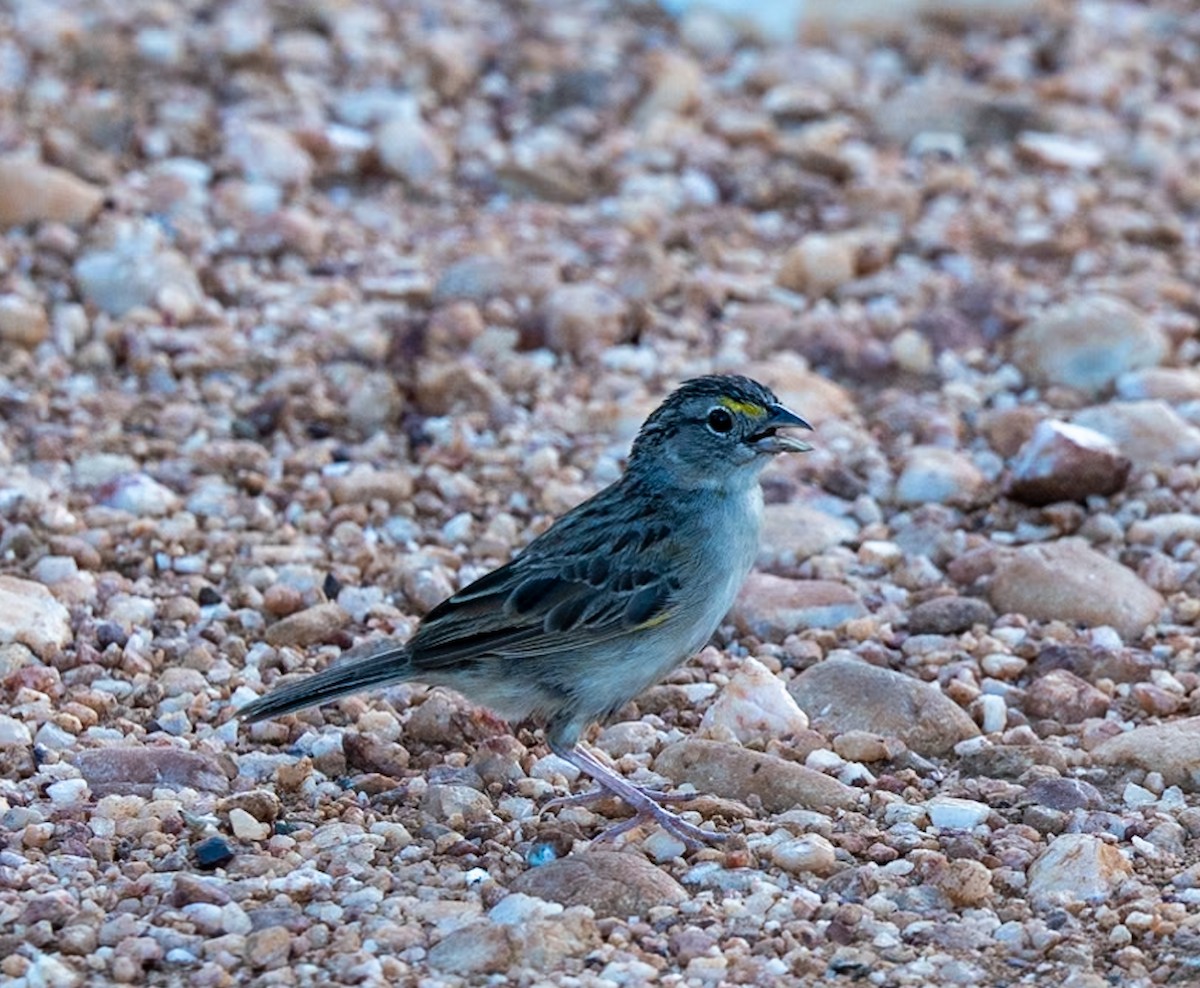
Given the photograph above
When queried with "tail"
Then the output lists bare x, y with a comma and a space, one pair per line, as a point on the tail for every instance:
373, 664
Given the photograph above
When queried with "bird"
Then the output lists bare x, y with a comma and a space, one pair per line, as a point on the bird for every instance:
609, 599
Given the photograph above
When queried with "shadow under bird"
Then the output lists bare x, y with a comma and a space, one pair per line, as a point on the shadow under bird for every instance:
608, 600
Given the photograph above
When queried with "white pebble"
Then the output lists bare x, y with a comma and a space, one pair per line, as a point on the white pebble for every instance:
517, 908
993, 713
952, 813
246, 827
67, 791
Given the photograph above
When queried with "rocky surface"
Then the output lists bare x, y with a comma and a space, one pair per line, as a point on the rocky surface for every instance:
311, 314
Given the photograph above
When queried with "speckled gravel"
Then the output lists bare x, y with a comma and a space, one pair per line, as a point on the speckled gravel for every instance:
310, 314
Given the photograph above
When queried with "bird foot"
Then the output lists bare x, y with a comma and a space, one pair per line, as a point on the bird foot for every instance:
647, 804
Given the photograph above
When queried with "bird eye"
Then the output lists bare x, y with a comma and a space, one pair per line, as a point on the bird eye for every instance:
720, 421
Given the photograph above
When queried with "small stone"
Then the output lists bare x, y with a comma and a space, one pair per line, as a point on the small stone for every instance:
864, 746
131, 768
313, 625
952, 813
663, 847
1068, 580
14, 733
1065, 794
966, 883
1059, 151
938, 475
139, 269
755, 706
140, 495
1172, 749
212, 852
67, 791
267, 152
364, 484
949, 615
737, 773
608, 882
31, 192
584, 319
1066, 462
1076, 868
480, 948
411, 150
31, 616
269, 948
793, 532
842, 695
810, 853
819, 264
1064, 697
773, 607
1150, 433
1087, 343
1169, 384
245, 827
22, 323
445, 802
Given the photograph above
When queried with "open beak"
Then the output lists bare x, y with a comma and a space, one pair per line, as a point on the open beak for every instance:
767, 440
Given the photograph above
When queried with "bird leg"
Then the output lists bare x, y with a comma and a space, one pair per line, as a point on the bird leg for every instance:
647, 804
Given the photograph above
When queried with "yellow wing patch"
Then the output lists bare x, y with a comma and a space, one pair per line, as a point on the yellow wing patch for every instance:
653, 622
753, 409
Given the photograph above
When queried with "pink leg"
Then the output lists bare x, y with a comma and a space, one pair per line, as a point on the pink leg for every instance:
646, 803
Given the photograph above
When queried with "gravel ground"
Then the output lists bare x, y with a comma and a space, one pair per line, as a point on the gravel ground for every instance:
311, 313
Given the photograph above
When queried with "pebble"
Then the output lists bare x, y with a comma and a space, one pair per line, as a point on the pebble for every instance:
1059, 151
14, 733
949, 615
269, 948
1087, 343
141, 496
842, 695
447, 802
1067, 580
1149, 433
1076, 868
755, 706
810, 853
138, 269
1065, 794
30, 615
737, 773
245, 827
951, 812
773, 607
412, 151
364, 484
141, 770
792, 533
607, 882
22, 323
1172, 749
819, 263
31, 192
1066, 462
311, 626
1064, 697
266, 152
935, 475
584, 319
212, 852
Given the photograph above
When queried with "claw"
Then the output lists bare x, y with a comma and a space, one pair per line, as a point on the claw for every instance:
647, 804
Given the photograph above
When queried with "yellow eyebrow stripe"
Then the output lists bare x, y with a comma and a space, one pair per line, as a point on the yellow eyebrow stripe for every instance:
750, 408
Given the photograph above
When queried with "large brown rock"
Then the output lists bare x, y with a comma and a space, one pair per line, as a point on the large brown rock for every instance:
738, 773
846, 695
1070, 581
609, 882
1172, 748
